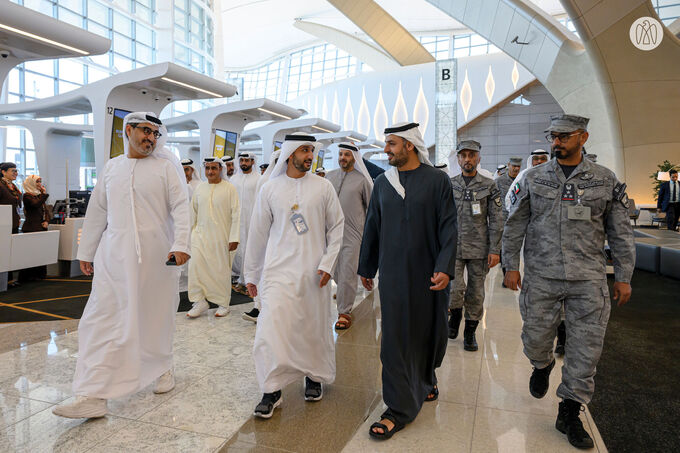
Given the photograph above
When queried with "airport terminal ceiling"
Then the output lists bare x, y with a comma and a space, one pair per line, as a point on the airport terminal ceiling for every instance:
255, 22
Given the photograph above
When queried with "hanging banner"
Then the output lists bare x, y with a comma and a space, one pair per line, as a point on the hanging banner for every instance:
446, 96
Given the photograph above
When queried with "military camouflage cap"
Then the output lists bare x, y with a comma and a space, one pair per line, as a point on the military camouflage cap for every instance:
567, 123
472, 145
515, 161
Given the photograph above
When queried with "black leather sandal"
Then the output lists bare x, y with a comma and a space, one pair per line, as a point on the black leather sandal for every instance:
387, 433
434, 394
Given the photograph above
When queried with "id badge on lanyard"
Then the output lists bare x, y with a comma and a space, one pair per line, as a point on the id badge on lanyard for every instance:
297, 219
578, 212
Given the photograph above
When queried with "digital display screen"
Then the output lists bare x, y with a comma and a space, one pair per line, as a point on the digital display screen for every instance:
277, 146
318, 161
225, 143
117, 146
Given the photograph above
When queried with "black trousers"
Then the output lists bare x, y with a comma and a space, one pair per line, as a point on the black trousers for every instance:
672, 215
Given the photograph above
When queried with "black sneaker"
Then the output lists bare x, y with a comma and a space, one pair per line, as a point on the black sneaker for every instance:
569, 423
540, 381
270, 401
313, 390
251, 315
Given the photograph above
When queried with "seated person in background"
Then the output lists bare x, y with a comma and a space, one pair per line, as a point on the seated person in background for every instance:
35, 196
669, 200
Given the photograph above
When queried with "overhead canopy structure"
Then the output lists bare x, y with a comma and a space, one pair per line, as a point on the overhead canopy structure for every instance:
158, 84
27, 35
228, 119
273, 132
149, 89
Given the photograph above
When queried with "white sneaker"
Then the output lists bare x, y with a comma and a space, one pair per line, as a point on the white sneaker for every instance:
222, 311
198, 309
83, 407
165, 383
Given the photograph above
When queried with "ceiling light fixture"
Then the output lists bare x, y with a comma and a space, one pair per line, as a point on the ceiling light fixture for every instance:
274, 113
322, 129
186, 85
40, 38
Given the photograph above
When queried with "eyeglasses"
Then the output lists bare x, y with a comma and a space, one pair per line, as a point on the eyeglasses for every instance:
148, 131
561, 137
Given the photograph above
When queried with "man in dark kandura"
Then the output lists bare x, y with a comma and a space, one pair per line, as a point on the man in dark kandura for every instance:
409, 235
562, 211
480, 225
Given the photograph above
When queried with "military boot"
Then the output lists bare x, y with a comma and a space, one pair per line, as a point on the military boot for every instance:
469, 341
569, 423
454, 322
561, 339
540, 380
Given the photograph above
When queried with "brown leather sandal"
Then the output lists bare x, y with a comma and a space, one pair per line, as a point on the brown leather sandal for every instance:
344, 322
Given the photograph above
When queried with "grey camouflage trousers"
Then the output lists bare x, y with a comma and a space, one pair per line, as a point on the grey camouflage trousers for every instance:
586, 313
471, 295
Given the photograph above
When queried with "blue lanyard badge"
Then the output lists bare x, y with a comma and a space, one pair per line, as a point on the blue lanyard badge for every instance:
299, 223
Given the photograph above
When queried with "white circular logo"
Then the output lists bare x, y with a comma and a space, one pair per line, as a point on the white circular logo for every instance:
646, 33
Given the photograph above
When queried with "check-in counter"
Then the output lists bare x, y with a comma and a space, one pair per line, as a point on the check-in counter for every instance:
21, 251
69, 239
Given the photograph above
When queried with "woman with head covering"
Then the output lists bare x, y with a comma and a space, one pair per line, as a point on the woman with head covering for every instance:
10, 193
35, 196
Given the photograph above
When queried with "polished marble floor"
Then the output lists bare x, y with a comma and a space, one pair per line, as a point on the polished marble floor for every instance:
484, 403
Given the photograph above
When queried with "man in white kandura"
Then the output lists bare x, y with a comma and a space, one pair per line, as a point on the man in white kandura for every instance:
137, 219
191, 174
295, 237
273, 159
213, 237
228, 170
245, 180
193, 180
354, 185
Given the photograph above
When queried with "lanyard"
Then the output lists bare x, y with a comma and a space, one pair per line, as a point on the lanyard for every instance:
296, 206
344, 175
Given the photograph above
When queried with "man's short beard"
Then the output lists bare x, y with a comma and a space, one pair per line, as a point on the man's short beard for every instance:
246, 167
142, 150
398, 160
300, 165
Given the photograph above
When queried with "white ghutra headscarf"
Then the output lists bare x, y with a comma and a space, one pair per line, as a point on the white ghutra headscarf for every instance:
411, 133
359, 164
288, 147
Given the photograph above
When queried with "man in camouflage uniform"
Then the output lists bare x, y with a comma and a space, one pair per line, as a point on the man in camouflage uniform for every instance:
504, 182
480, 226
563, 210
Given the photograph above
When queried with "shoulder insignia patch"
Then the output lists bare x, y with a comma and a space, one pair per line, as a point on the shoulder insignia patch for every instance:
585, 185
625, 201
516, 189
513, 197
544, 182
619, 191
497, 200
